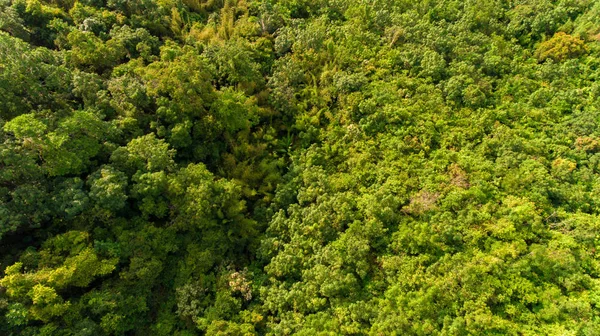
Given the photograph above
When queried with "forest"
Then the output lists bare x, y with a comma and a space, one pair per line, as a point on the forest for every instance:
299, 167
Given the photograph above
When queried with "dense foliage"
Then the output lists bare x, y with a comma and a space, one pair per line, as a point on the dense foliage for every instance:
242, 167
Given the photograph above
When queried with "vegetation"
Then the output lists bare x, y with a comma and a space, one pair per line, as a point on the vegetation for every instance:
263, 167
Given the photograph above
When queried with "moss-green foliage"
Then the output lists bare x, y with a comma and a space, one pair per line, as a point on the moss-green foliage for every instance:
560, 48
183, 167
